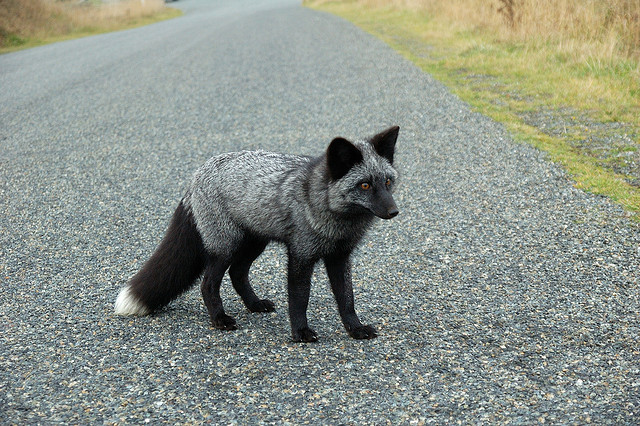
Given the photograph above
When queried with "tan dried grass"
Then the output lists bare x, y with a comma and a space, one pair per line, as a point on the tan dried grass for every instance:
38, 19
592, 28
114, 12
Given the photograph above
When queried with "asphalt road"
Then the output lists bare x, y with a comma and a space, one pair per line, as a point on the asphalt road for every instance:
501, 293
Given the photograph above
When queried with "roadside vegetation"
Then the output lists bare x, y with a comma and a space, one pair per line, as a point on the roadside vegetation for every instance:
562, 75
28, 23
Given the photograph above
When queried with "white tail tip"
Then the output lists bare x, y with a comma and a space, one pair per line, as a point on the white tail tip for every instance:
128, 304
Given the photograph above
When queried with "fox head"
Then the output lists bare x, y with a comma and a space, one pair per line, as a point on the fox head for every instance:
361, 175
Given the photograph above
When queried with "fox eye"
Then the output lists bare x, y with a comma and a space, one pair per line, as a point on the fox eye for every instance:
388, 182
365, 185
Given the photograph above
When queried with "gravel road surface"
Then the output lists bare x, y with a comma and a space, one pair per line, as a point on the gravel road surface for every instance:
500, 293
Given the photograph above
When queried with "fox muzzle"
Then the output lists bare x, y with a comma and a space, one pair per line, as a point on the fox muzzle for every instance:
384, 206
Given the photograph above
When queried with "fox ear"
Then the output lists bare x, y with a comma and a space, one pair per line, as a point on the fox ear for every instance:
385, 142
342, 155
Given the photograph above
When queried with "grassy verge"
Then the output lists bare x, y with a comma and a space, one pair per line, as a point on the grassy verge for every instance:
29, 23
575, 94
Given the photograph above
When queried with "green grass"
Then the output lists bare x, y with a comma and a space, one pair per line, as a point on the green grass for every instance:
14, 41
513, 81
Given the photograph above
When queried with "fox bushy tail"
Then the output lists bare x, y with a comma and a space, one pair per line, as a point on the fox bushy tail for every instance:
171, 270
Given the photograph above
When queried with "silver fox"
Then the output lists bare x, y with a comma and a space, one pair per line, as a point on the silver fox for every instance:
320, 208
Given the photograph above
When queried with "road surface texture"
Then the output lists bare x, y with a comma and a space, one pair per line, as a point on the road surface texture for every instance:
500, 293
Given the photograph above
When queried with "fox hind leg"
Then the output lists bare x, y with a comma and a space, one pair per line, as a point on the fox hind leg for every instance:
210, 287
248, 252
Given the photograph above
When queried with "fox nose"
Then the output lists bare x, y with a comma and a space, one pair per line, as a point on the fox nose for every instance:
391, 212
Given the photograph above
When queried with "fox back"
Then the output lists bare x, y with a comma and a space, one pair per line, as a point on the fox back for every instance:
287, 197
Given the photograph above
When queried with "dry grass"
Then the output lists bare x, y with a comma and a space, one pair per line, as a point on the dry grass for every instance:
25, 20
601, 29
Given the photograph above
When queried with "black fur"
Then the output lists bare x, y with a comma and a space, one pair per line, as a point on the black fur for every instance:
341, 157
238, 267
339, 273
386, 206
299, 288
210, 287
174, 266
239, 273
385, 142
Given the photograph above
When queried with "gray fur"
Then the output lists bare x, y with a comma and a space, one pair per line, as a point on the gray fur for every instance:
265, 194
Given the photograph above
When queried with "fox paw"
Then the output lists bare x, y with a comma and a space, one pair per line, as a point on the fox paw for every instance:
363, 332
305, 335
224, 322
263, 305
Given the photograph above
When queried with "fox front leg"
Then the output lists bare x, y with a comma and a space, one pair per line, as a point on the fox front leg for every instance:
299, 287
339, 272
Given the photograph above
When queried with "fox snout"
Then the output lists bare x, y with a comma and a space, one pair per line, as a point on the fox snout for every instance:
385, 207
390, 213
